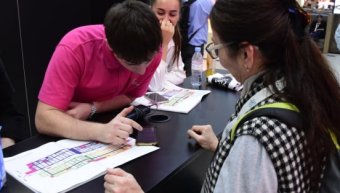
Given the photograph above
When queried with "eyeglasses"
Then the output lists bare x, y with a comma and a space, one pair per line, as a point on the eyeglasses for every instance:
212, 49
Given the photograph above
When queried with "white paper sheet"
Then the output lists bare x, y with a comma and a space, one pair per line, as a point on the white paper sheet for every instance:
65, 164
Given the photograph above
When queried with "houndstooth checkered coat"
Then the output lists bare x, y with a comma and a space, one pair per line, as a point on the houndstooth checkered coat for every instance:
283, 143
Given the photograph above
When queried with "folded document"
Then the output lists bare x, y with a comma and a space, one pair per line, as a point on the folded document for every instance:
179, 99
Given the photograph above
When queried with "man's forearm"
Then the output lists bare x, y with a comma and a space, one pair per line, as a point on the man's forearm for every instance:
54, 122
113, 104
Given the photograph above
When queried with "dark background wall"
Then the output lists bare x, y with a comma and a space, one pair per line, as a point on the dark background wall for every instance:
29, 32
10, 52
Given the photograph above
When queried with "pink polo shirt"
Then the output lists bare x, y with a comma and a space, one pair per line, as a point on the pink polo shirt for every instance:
83, 69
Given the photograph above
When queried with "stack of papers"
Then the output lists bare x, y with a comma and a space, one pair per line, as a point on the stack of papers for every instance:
65, 164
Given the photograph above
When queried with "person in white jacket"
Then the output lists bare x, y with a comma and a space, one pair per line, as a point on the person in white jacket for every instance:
337, 37
171, 68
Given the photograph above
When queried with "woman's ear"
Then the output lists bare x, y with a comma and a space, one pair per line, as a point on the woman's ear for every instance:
247, 56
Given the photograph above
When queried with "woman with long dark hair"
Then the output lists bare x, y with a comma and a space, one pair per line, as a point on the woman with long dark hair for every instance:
264, 45
171, 68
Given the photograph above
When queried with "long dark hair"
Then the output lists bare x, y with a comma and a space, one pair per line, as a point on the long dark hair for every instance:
177, 36
178, 42
277, 27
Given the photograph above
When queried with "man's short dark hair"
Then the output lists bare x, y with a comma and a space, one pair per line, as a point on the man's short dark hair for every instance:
133, 31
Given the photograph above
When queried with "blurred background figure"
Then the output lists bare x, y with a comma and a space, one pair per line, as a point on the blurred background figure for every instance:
10, 119
198, 30
337, 37
317, 29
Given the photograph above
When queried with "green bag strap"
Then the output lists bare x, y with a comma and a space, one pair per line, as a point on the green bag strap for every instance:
334, 139
278, 105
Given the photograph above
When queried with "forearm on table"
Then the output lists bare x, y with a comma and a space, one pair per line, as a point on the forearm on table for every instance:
54, 122
113, 104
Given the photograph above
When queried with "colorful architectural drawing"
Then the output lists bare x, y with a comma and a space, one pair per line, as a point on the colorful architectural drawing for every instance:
72, 158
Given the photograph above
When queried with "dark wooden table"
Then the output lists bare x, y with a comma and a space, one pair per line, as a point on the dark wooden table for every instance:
178, 166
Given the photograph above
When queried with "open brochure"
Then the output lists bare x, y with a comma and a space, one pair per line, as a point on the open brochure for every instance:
179, 99
224, 81
65, 164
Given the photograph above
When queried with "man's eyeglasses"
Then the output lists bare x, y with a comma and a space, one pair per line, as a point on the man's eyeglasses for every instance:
212, 49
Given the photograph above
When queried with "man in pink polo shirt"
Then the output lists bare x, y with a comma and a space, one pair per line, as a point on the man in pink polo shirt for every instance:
98, 68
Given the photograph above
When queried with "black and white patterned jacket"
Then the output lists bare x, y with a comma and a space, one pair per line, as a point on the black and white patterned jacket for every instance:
284, 144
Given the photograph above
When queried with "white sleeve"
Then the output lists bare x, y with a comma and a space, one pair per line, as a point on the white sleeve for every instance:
247, 169
176, 73
337, 37
168, 71
158, 79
